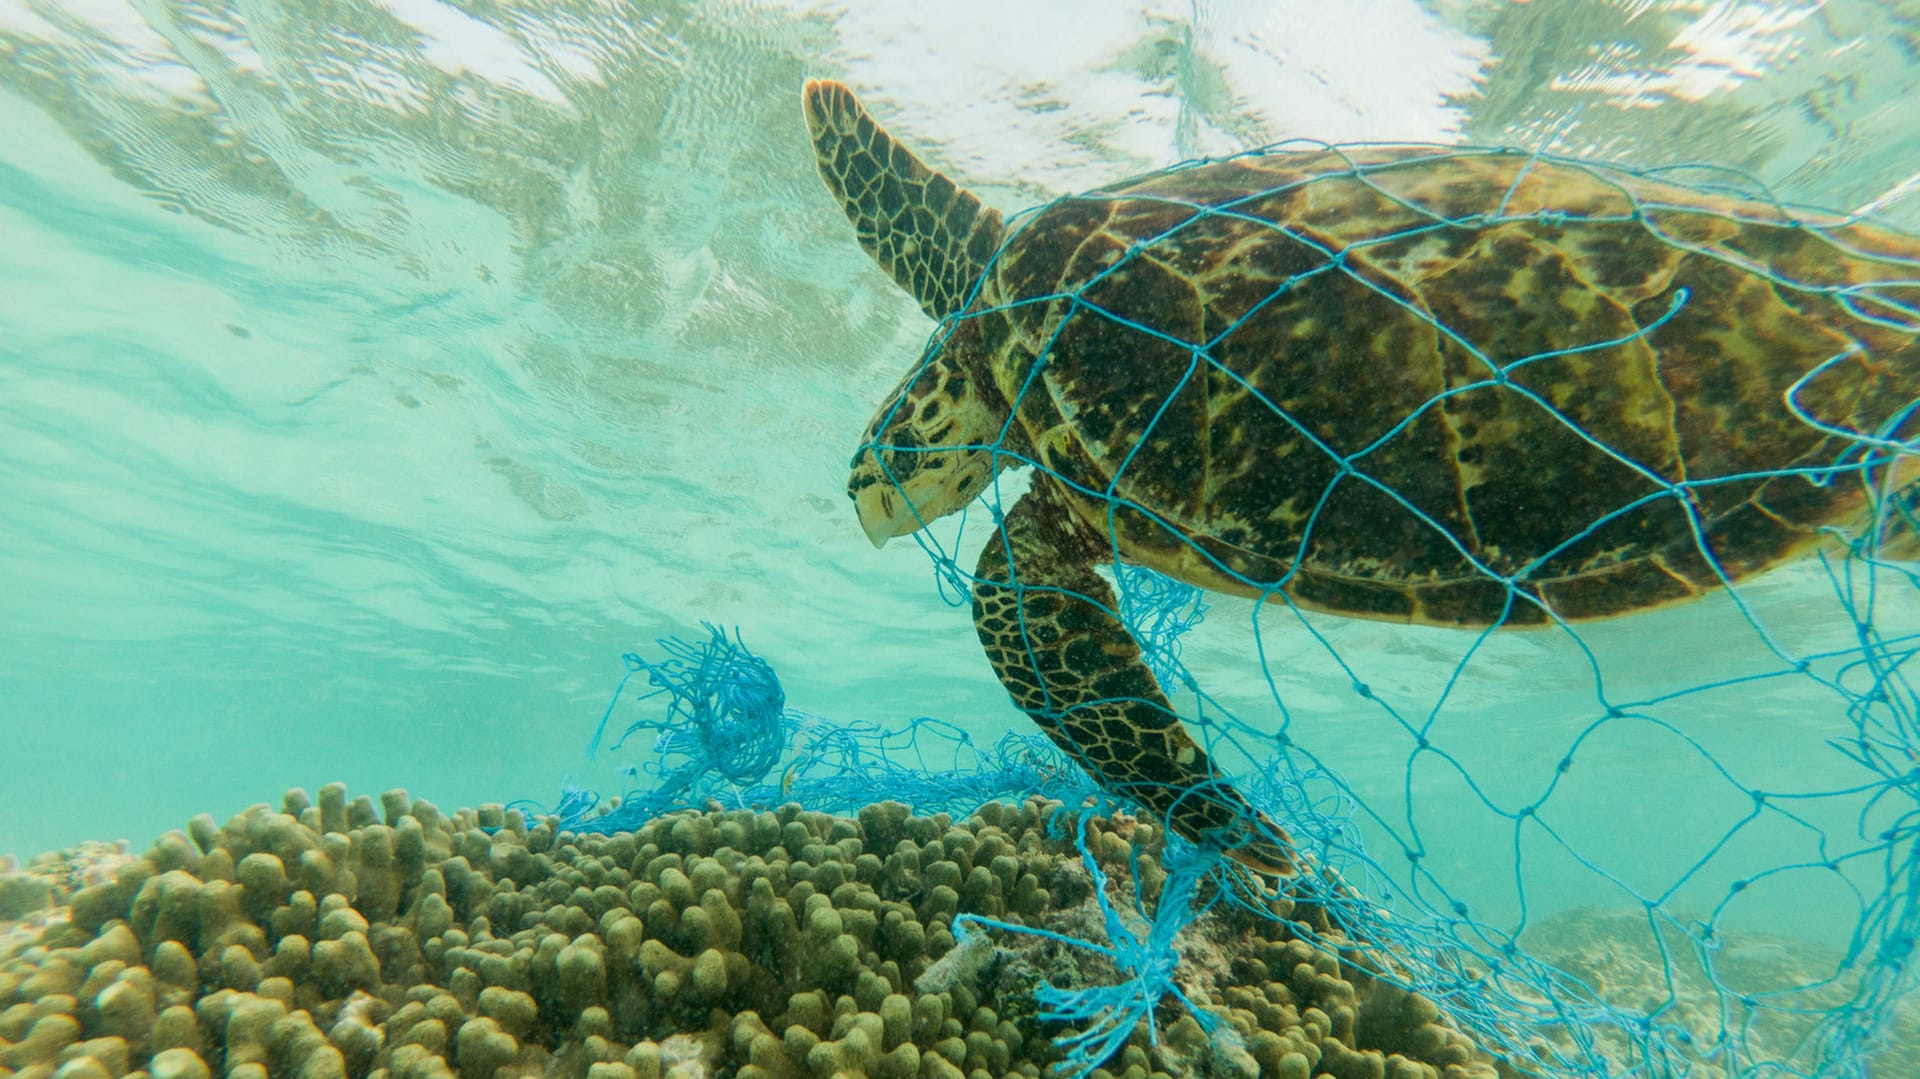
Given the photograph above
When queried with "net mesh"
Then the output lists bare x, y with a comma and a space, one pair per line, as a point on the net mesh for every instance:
1747, 905
1670, 843
722, 734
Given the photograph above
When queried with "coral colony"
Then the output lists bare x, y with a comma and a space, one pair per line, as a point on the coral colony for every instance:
346, 939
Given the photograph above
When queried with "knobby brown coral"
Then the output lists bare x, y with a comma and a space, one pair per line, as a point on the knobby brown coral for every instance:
343, 940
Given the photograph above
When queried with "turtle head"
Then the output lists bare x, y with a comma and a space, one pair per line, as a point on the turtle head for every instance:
930, 449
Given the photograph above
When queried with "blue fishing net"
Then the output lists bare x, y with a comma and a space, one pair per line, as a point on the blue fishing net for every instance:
725, 713
1104, 1017
1159, 611
1732, 918
723, 735
1746, 918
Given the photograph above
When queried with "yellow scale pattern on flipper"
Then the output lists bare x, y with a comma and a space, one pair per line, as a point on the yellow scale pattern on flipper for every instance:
932, 238
1046, 621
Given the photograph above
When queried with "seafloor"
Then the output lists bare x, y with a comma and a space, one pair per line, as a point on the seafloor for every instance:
396, 942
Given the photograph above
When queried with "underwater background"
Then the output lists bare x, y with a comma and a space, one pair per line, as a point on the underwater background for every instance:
374, 373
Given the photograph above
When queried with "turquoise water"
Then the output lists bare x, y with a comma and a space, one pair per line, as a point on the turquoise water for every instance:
372, 375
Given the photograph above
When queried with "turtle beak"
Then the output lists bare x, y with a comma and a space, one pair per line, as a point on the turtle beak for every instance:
875, 505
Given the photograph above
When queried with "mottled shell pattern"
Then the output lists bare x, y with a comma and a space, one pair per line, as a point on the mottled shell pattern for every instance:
1451, 386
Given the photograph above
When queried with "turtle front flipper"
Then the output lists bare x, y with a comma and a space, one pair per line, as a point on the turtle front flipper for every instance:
931, 237
1048, 624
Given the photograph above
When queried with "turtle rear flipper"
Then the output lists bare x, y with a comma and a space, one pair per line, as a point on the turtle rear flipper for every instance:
1046, 620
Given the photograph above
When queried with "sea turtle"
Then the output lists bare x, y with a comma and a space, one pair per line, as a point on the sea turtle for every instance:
1435, 385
